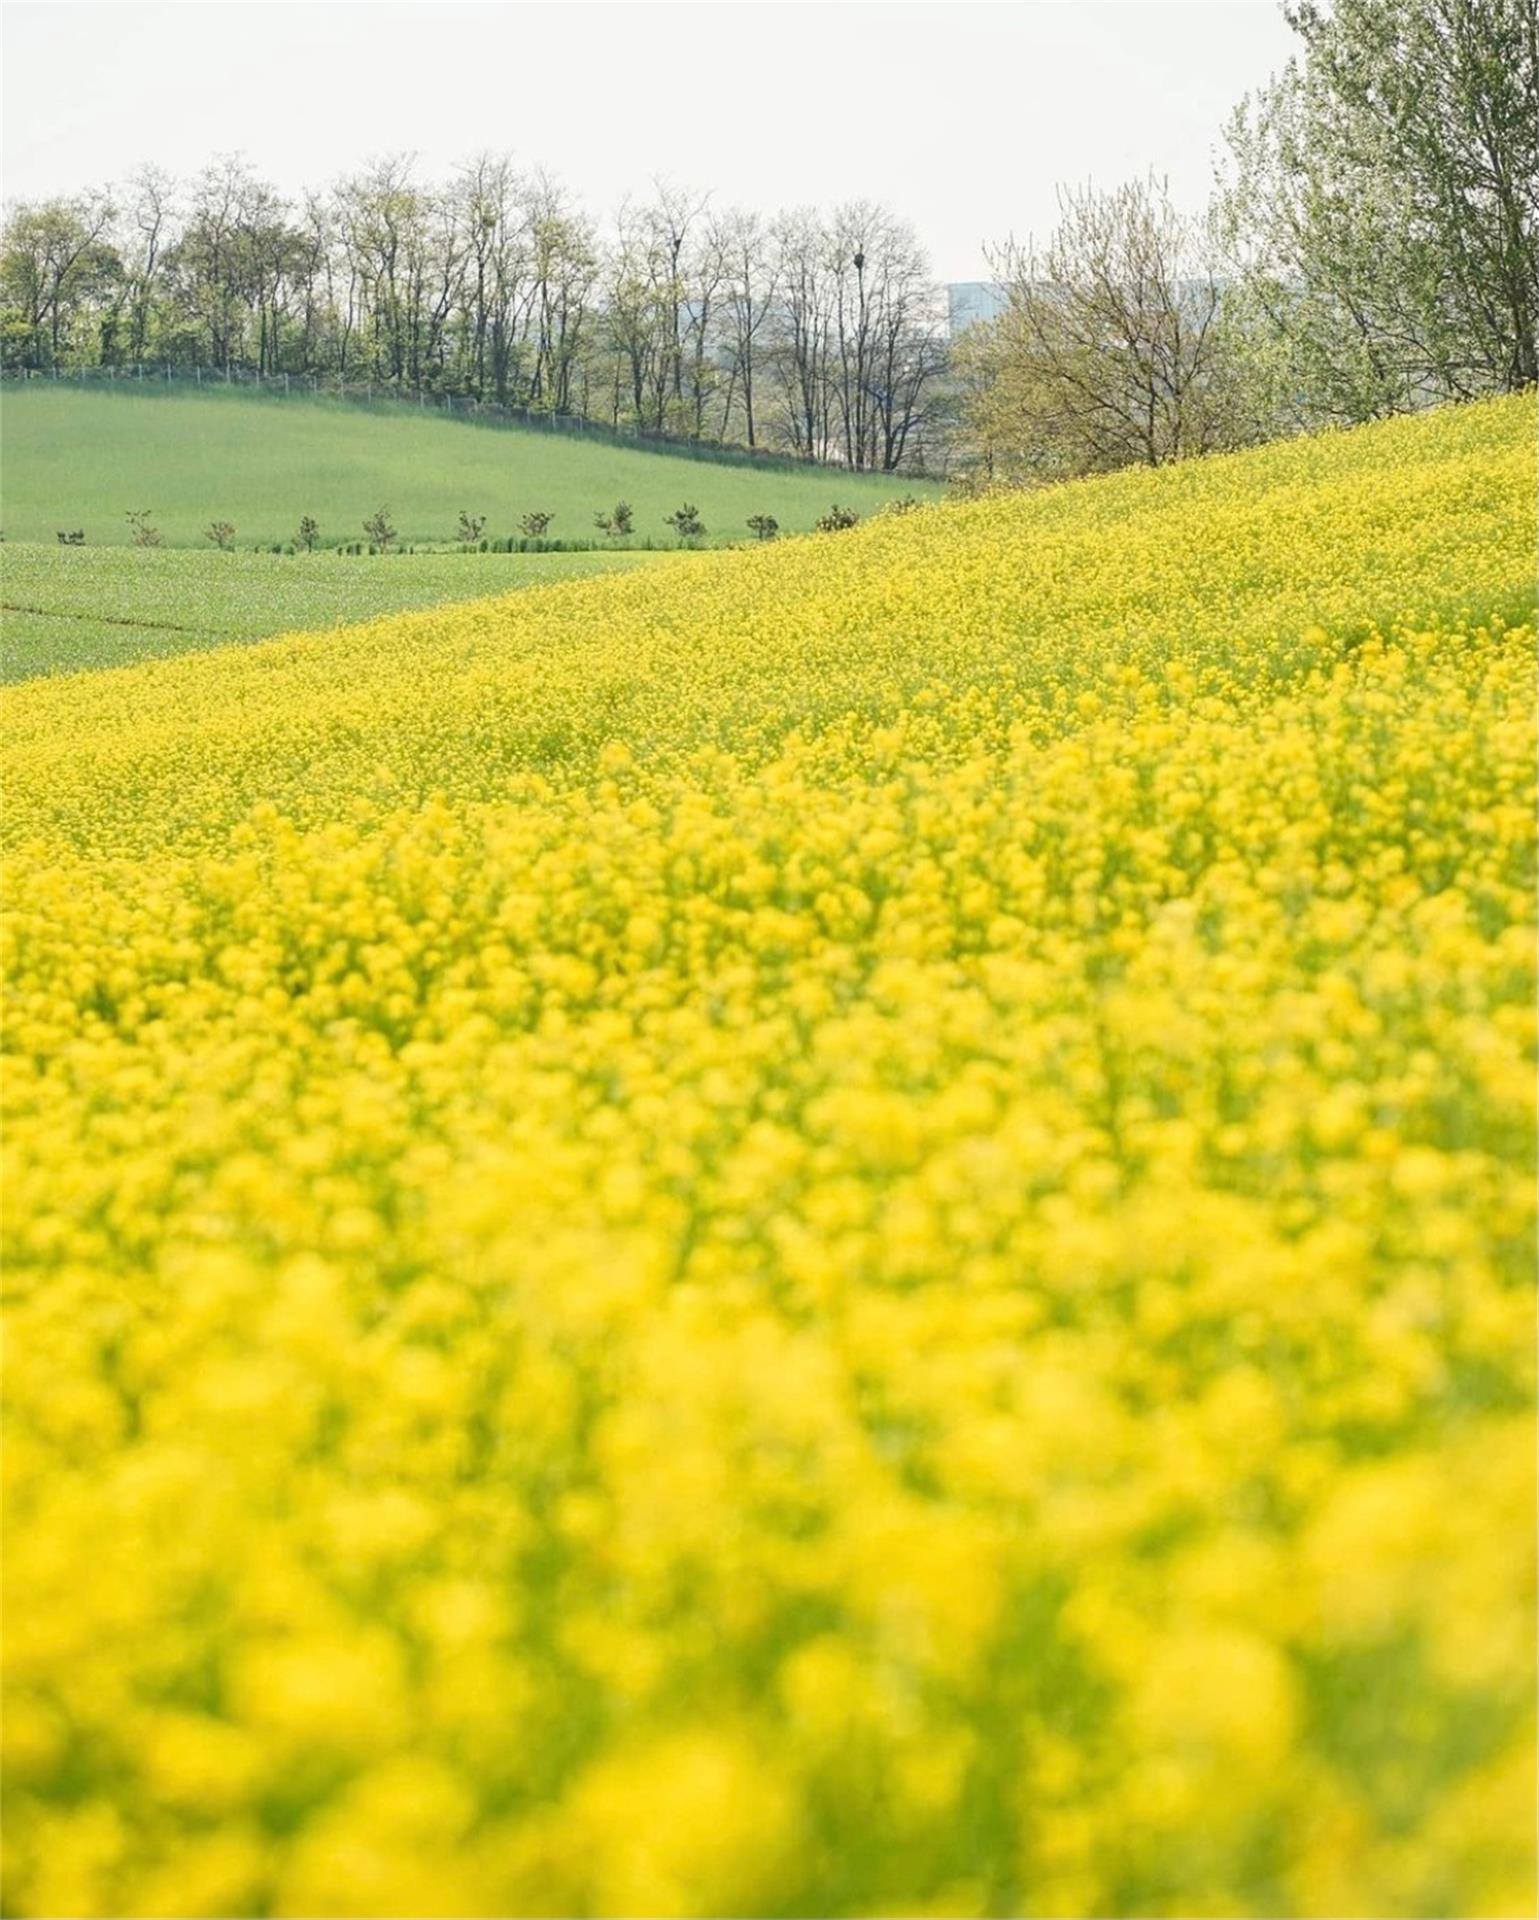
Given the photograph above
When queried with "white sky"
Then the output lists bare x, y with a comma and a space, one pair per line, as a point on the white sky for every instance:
961, 116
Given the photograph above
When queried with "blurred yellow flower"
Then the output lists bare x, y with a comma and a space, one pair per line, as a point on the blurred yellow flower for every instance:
848, 1229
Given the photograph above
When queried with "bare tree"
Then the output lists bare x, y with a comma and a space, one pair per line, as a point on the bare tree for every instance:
750, 289
651, 305
380, 219
1112, 349
496, 256
322, 323
890, 346
564, 269
632, 318
706, 271
857, 343
804, 333
151, 218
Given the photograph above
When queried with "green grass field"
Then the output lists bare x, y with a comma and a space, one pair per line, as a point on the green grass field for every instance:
71, 608
85, 458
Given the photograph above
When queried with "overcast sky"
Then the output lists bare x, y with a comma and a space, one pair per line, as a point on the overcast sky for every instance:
962, 116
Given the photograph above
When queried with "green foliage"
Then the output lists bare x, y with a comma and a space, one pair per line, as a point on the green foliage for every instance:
57, 263
1382, 205
763, 526
471, 527
140, 530
535, 525
221, 533
308, 533
837, 520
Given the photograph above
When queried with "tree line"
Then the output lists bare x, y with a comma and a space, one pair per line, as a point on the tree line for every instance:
818, 334
1372, 247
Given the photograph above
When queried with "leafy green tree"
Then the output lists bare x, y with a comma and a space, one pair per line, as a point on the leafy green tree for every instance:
57, 268
1382, 204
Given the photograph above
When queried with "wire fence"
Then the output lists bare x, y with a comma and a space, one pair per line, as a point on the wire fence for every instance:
387, 395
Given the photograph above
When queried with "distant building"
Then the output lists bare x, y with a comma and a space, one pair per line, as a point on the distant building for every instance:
969, 301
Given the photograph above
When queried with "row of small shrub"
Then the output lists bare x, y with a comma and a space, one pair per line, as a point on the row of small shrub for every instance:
533, 534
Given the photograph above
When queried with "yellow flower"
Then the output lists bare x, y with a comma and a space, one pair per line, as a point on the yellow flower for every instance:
848, 1229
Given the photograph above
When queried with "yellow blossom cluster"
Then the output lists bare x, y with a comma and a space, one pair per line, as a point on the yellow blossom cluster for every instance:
837, 1230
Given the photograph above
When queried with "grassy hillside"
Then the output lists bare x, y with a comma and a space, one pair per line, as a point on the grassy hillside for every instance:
69, 608
85, 458
837, 1230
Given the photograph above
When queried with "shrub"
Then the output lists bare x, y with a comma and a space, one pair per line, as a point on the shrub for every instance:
76, 538
380, 531
307, 533
837, 519
534, 526
222, 533
618, 523
471, 527
143, 533
686, 522
763, 526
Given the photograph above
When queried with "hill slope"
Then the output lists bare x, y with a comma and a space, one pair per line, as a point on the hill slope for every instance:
67, 609
84, 459
835, 1230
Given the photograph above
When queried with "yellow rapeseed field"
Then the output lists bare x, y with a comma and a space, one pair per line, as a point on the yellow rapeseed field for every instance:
837, 1230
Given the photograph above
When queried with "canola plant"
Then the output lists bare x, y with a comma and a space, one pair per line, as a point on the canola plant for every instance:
837, 1230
